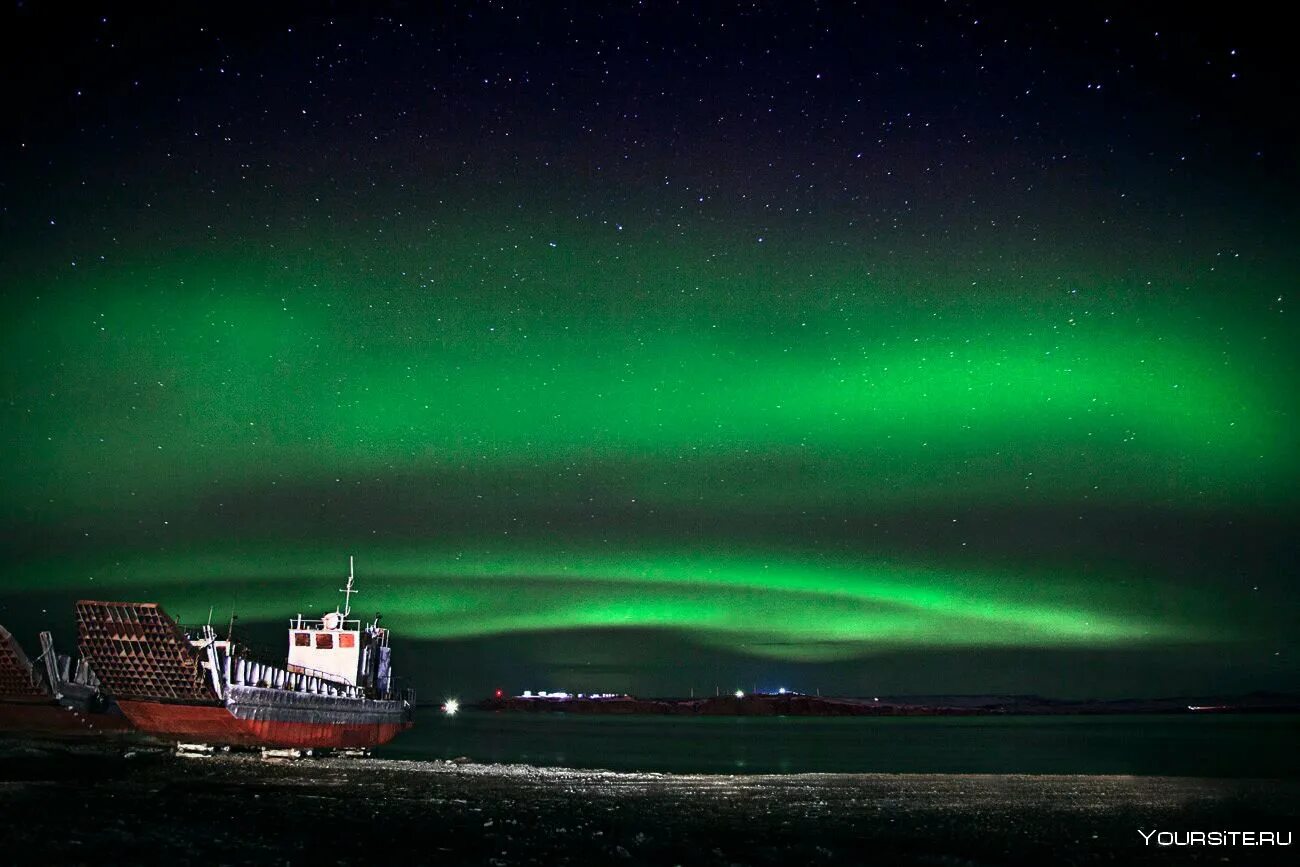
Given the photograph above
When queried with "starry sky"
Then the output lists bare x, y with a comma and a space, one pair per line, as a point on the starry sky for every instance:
871, 348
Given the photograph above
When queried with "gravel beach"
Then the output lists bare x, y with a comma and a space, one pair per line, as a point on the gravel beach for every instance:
140, 807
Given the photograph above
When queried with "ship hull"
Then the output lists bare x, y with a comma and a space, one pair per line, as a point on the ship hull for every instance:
29, 706
254, 717
51, 718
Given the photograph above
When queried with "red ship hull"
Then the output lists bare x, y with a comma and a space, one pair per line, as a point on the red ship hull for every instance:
54, 719
216, 724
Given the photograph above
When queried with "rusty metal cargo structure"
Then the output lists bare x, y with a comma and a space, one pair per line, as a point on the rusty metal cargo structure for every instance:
198, 688
53, 698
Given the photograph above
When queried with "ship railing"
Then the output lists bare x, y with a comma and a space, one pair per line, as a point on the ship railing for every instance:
302, 678
399, 689
242, 671
328, 676
319, 624
365, 686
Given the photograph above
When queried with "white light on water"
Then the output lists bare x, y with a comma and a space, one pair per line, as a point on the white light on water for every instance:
450, 706
740, 693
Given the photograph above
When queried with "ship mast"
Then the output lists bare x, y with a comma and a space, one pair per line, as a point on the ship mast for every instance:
348, 591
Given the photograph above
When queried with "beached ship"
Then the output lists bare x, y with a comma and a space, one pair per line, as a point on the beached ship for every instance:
335, 691
56, 697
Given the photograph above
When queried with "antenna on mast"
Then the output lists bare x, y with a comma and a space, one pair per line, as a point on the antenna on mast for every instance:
348, 591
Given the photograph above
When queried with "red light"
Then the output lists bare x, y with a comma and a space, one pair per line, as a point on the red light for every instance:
499, 693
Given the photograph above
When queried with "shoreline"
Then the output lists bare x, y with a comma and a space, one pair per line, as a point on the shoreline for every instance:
154, 807
145, 751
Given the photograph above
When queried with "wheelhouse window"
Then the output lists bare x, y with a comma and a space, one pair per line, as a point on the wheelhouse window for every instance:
301, 639
324, 641
347, 639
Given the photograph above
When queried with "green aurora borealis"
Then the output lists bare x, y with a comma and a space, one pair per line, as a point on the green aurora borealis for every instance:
162, 402
549, 396
1077, 391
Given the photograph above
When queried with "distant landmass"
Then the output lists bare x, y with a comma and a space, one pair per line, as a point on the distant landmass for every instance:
795, 704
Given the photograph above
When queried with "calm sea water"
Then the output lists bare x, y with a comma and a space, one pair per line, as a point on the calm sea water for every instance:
1262, 745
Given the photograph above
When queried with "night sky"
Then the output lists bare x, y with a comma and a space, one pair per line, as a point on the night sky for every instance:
938, 347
